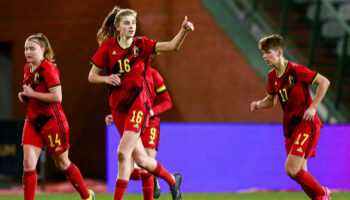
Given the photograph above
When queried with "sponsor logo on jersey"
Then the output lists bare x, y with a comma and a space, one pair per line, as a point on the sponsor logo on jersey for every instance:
275, 82
114, 53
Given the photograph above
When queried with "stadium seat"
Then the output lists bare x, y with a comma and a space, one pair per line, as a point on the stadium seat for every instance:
338, 1
311, 1
302, 1
332, 29
324, 13
340, 45
344, 9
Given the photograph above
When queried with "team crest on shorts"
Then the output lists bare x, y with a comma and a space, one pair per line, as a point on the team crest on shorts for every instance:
58, 148
300, 150
136, 126
135, 51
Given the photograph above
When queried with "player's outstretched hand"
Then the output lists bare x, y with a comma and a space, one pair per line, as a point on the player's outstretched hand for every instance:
109, 119
187, 25
254, 106
113, 79
309, 114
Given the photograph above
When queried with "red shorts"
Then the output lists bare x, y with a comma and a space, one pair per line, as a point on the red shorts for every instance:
304, 140
136, 118
151, 135
56, 138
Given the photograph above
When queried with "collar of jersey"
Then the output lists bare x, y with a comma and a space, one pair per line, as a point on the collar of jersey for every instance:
30, 66
133, 41
285, 69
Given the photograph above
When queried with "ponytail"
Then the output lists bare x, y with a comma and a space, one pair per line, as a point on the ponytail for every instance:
42, 39
108, 28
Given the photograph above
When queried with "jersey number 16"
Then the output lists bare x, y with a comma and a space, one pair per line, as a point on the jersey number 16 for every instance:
124, 66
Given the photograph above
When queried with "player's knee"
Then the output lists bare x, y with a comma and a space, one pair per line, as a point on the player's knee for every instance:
291, 170
140, 161
62, 164
29, 164
121, 156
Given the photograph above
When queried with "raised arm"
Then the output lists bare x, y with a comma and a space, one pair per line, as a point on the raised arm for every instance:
323, 84
176, 42
267, 102
95, 77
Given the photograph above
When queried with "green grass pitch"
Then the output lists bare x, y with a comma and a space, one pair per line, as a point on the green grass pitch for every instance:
190, 196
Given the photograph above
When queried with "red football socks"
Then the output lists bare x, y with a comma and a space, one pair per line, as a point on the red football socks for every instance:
136, 174
30, 180
305, 178
308, 191
74, 176
164, 174
120, 189
147, 186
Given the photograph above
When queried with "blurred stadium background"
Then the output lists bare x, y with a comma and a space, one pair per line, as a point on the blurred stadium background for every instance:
212, 79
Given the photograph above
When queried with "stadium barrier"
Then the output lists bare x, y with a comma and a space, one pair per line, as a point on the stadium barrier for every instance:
236, 157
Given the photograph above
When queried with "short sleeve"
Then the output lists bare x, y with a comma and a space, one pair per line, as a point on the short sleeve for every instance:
149, 46
100, 58
270, 89
51, 76
159, 85
305, 74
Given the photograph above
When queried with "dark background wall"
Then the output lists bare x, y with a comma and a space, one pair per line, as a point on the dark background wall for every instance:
209, 79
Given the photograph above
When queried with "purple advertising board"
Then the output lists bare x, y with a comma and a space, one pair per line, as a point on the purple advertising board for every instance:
236, 157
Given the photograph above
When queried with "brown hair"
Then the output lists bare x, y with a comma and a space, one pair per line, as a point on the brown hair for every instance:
42, 39
108, 28
272, 41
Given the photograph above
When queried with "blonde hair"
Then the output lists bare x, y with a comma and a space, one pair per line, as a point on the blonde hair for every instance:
42, 39
108, 28
272, 41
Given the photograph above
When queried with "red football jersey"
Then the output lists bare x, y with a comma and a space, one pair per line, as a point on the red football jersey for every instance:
42, 79
160, 98
293, 90
131, 63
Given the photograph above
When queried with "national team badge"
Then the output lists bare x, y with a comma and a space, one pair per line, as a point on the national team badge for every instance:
36, 78
114, 53
291, 80
135, 51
